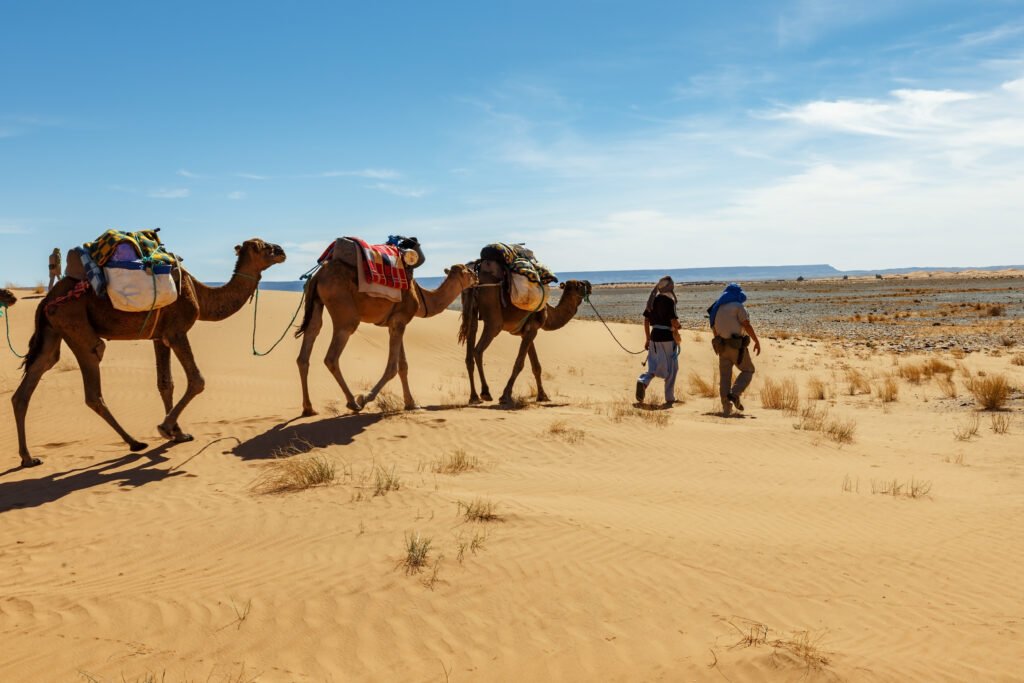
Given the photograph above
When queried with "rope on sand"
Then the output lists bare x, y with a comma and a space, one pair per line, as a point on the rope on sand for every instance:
223, 438
6, 315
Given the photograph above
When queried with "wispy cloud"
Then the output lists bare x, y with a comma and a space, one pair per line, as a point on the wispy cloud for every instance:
169, 193
372, 173
185, 173
401, 191
236, 195
12, 228
252, 176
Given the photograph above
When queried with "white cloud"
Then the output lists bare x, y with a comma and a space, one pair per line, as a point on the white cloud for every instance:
12, 228
371, 173
236, 195
252, 176
401, 191
169, 193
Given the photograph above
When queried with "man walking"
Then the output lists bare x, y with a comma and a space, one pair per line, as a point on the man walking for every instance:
661, 330
730, 321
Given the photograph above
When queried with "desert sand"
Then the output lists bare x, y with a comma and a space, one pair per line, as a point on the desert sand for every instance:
631, 545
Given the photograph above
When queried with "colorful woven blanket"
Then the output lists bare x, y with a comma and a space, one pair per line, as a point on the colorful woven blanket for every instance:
519, 259
382, 264
146, 243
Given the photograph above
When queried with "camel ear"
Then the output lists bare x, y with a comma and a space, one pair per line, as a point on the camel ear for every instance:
238, 249
561, 285
447, 270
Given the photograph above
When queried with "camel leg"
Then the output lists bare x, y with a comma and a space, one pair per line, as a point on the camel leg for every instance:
474, 398
527, 342
90, 367
169, 428
338, 342
403, 374
396, 331
535, 364
316, 323
47, 358
486, 337
165, 383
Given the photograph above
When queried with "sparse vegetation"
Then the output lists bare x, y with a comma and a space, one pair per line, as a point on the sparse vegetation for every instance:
1000, 423
473, 545
888, 390
479, 510
295, 474
782, 395
1017, 359
995, 310
620, 410
389, 404
455, 462
850, 486
561, 429
417, 548
991, 392
840, 431
385, 480
965, 431
857, 382
801, 648
947, 385
816, 389
702, 387
915, 488
812, 418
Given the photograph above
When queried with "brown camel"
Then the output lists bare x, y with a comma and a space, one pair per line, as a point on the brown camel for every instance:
486, 303
7, 298
84, 322
335, 287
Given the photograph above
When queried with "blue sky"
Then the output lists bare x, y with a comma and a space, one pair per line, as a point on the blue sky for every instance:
607, 135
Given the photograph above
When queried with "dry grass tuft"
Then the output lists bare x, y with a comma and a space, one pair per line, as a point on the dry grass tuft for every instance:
812, 418
991, 392
912, 372
947, 385
1000, 423
995, 311
417, 548
816, 389
914, 488
473, 545
295, 474
701, 387
801, 649
389, 404
840, 431
620, 410
851, 486
857, 382
888, 390
1018, 359
479, 510
385, 480
966, 431
563, 431
456, 462
782, 395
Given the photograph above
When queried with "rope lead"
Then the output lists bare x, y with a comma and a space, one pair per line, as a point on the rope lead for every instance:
307, 276
5, 314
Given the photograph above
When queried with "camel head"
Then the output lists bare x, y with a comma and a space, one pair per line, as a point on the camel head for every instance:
258, 255
580, 289
7, 298
466, 276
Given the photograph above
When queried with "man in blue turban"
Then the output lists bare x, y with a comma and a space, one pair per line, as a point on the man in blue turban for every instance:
733, 334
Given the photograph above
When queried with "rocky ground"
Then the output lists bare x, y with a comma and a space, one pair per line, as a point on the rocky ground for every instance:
951, 313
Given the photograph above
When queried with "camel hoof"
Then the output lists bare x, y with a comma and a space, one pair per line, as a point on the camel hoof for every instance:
412, 406
308, 412
137, 446
542, 398
358, 404
31, 462
474, 400
486, 396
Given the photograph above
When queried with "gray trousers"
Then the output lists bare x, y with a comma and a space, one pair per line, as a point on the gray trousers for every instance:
662, 361
728, 359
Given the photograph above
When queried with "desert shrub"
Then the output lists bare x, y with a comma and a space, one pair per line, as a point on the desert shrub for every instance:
417, 548
812, 418
888, 390
702, 387
995, 310
561, 429
965, 431
1018, 359
990, 391
816, 389
947, 386
1000, 423
385, 480
620, 410
782, 395
479, 510
912, 372
857, 382
295, 474
840, 431
455, 462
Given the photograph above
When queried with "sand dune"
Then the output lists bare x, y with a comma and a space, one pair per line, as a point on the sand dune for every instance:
645, 545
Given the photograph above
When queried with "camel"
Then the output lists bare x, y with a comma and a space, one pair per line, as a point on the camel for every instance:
335, 287
486, 303
84, 322
7, 298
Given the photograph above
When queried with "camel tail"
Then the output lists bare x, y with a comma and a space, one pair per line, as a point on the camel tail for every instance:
311, 300
467, 321
35, 344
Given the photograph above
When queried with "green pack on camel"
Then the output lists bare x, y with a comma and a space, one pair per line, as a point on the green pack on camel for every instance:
146, 242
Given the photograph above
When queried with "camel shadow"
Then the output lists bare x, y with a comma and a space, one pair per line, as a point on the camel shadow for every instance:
292, 439
29, 493
731, 416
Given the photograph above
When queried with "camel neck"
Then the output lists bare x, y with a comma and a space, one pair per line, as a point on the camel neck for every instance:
436, 300
218, 303
560, 315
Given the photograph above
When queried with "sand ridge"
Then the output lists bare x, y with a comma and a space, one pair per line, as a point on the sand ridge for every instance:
629, 550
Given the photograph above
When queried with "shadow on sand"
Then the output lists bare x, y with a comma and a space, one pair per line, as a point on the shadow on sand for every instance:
140, 471
292, 439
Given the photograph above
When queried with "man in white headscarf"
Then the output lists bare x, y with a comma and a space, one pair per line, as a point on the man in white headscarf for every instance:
661, 329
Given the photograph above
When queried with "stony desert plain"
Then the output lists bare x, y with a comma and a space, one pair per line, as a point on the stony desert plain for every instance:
862, 521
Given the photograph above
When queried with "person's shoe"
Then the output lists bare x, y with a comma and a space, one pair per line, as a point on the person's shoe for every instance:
641, 390
736, 402
726, 409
